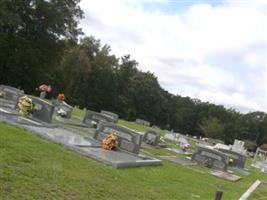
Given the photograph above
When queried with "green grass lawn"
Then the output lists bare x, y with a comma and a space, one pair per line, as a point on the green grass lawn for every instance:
78, 112
33, 168
260, 193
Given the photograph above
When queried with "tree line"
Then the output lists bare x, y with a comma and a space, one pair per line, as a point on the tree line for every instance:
39, 45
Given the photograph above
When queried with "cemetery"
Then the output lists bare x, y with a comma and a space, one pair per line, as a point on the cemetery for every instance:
132, 147
138, 100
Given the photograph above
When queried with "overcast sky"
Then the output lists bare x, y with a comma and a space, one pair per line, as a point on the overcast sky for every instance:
215, 51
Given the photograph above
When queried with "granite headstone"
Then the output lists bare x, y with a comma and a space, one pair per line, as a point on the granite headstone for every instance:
128, 140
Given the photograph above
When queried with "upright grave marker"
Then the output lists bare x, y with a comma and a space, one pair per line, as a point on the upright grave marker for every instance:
42, 110
152, 137
210, 158
128, 140
93, 118
111, 114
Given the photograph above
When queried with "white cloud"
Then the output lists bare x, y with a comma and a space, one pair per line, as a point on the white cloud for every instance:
179, 47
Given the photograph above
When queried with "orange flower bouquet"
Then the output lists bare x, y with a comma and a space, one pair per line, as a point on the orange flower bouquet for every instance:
61, 97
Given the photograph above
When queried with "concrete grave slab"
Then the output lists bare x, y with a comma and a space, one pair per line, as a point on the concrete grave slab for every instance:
120, 159
179, 161
179, 151
225, 176
84, 145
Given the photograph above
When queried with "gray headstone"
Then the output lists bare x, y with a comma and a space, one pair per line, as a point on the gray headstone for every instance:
92, 117
111, 114
56, 102
239, 160
42, 110
260, 160
239, 146
128, 140
211, 158
67, 108
64, 106
152, 137
11, 93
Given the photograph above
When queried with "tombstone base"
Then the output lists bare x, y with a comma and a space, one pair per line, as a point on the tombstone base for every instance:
120, 159
74, 122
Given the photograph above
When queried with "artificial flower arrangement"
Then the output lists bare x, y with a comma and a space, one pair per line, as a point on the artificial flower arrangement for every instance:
61, 96
25, 106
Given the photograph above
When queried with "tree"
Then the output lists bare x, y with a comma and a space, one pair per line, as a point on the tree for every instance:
212, 127
32, 39
73, 76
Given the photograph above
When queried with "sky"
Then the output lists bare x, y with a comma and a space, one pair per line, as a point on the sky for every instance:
215, 51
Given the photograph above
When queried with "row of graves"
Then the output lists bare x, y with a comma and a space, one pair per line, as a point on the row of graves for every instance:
111, 143
119, 146
224, 160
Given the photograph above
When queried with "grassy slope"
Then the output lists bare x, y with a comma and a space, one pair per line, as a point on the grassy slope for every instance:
32, 168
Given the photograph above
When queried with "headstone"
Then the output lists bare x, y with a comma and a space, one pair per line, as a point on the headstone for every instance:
56, 102
92, 117
67, 108
238, 159
128, 140
111, 114
142, 122
260, 160
171, 136
64, 106
238, 146
11, 93
42, 110
211, 158
152, 137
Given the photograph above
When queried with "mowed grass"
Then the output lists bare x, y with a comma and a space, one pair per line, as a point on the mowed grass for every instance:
260, 193
78, 112
33, 168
